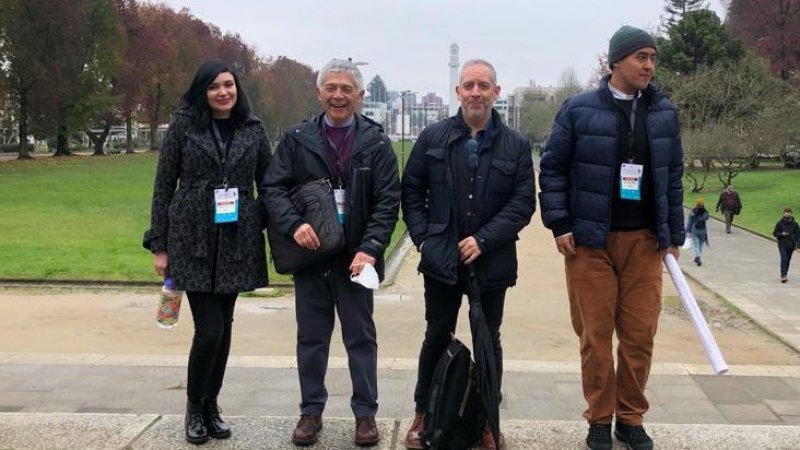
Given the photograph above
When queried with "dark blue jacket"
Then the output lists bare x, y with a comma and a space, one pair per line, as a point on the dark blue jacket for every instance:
578, 165
505, 200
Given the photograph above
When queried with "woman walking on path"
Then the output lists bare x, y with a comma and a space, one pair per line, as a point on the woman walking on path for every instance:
787, 232
206, 226
696, 226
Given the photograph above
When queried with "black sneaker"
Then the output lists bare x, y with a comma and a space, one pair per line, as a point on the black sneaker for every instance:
599, 437
634, 437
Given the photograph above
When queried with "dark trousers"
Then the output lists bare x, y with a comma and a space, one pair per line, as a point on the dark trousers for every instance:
442, 302
213, 321
728, 213
316, 298
786, 257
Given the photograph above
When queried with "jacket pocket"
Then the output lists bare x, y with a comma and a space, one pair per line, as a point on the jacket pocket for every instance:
501, 176
435, 162
439, 258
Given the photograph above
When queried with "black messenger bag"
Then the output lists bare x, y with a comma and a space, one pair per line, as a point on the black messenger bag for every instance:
314, 202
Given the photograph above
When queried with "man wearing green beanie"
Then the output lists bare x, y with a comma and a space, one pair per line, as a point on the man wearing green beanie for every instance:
611, 193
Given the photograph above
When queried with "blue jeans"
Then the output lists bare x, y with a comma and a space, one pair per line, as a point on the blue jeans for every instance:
697, 245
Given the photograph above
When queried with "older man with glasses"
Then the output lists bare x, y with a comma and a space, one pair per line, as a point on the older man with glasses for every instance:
467, 191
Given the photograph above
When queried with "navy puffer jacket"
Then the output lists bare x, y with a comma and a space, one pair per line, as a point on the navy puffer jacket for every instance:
578, 165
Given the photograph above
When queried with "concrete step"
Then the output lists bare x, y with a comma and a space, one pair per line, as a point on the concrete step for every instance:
155, 432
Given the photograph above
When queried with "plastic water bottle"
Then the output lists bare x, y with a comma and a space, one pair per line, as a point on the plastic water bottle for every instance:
169, 305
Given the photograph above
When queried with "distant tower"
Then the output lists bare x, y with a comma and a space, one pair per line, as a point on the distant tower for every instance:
453, 78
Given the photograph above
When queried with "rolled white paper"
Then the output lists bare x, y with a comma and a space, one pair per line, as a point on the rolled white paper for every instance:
696, 316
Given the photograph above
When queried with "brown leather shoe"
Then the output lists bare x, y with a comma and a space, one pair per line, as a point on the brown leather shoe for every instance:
488, 443
414, 435
366, 432
307, 430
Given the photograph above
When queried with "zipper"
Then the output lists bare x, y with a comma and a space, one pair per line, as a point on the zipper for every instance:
466, 393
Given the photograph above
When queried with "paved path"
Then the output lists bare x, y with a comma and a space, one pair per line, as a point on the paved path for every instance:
92, 398
744, 269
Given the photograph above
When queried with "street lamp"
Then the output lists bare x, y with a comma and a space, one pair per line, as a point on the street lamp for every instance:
403, 129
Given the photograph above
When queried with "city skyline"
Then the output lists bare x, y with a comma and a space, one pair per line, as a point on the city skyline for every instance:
407, 42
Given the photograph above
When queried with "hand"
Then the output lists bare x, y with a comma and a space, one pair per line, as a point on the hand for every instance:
160, 263
306, 237
672, 250
468, 250
359, 260
565, 244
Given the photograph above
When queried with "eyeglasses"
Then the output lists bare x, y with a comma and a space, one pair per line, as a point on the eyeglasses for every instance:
472, 152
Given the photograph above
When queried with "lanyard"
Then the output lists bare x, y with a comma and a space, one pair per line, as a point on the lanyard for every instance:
337, 150
222, 149
631, 136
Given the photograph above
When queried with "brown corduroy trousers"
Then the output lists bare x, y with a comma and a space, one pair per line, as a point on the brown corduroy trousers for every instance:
616, 289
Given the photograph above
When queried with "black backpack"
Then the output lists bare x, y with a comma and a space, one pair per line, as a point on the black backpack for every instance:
454, 418
699, 222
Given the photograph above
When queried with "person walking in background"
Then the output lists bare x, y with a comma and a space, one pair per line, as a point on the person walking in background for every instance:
357, 157
467, 192
730, 204
696, 227
206, 226
611, 193
787, 232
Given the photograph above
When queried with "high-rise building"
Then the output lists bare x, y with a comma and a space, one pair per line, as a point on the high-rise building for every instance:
453, 64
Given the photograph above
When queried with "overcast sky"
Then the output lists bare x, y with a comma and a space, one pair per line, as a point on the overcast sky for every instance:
407, 42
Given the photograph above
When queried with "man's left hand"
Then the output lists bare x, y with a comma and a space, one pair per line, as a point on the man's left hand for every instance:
468, 250
359, 260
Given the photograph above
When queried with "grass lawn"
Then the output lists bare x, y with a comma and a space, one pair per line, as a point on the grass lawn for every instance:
82, 218
764, 193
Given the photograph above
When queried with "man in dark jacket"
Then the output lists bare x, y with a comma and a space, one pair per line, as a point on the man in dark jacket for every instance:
611, 193
787, 232
355, 154
730, 204
467, 192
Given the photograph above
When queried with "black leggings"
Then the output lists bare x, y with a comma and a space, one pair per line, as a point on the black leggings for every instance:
213, 320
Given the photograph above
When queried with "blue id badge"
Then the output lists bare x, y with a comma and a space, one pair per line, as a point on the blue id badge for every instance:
630, 181
226, 205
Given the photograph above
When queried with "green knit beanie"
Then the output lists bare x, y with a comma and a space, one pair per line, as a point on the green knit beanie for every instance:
626, 41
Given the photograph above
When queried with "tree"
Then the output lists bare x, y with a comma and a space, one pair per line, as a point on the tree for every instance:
287, 91
697, 39
698, 153
677, 8
770, 28
599, 72
537, 114
80, 42
537, 119
737, 104
377, 90
22, 52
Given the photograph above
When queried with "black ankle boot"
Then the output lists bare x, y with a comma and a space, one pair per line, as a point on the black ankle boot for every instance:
217, 428
196, 431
